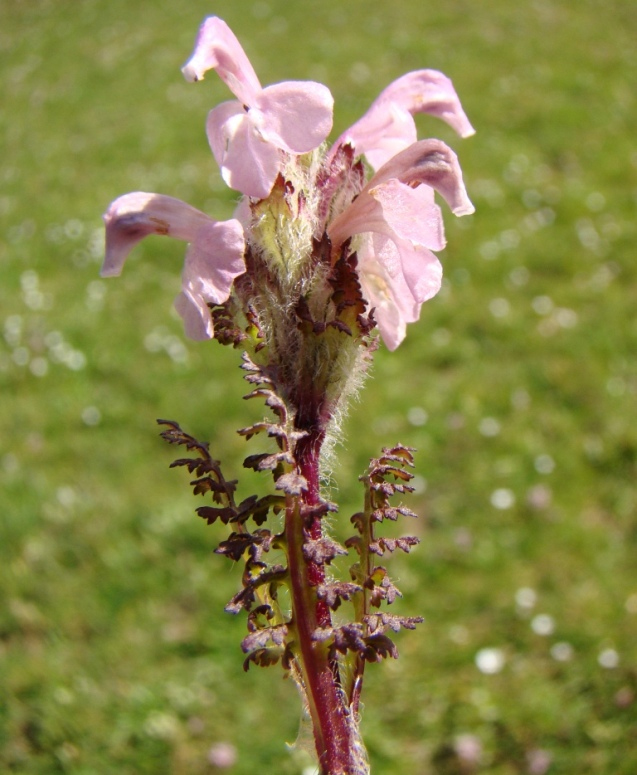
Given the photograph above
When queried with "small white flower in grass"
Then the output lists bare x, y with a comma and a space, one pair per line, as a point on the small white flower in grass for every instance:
538, 761
562, 651
417, 416
468, 749
222, 755
499, 307
91, 416
489, 427
608, 659
539, 497
490, 660
502, 498
526, 598
543, 624
519, 276
542, 305
21, 356
631, 603
39, 367
544, 464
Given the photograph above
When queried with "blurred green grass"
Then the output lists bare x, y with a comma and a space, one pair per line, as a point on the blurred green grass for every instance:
517, 387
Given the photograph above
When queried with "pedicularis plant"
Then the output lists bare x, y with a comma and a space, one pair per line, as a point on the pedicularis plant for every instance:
327, 246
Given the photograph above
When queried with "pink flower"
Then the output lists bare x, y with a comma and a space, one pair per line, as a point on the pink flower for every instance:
213, 260
400, 225
247, 135
388, 126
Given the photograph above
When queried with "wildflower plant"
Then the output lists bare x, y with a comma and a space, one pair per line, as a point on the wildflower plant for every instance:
328, 245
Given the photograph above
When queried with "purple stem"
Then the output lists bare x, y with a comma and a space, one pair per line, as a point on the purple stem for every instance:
330, 714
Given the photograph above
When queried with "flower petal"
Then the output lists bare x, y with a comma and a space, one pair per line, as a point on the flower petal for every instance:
433, 163
411, 213
137, 215
388, 126
194, 311
248, 163
385, 288
428, 91
396, 210
384, 131
296, 115
217, 48
214, 260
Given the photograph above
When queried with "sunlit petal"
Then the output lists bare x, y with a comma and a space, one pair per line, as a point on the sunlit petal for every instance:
217, 48
297, 115
134, 216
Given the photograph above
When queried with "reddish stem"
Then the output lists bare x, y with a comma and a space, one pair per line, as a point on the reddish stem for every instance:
329, 710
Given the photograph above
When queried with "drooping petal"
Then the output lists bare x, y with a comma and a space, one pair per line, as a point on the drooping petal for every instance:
217, 48
428, 91
388, 126
411, 213
248, 163
384, 131
134, 216
296, 116
386, 289
194, 311
214, 260
433, 163
396, 210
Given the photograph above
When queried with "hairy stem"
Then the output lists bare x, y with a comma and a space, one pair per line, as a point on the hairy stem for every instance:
329, 709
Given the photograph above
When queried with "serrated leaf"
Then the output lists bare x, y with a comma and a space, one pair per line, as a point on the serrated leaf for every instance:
323, 550
356, 542
379, 647
382, 621
334, 594
237, 543
264, 657
292, 483
266, 461
246, 596
252, 430
212, 514
260, 638
382, 545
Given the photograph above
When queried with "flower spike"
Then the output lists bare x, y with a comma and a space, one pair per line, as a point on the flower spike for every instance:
317, 256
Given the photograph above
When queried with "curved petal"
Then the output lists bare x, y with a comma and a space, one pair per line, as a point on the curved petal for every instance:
214, 260
428, 91
421, 270
221, 125
396, 210
411, 213
388, 126
217, 48
385, 289
296, 116
137, 215
194, 311
433, 163
382, 132
248, 163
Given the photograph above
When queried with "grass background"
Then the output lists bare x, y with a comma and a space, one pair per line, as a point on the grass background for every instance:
518, 388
